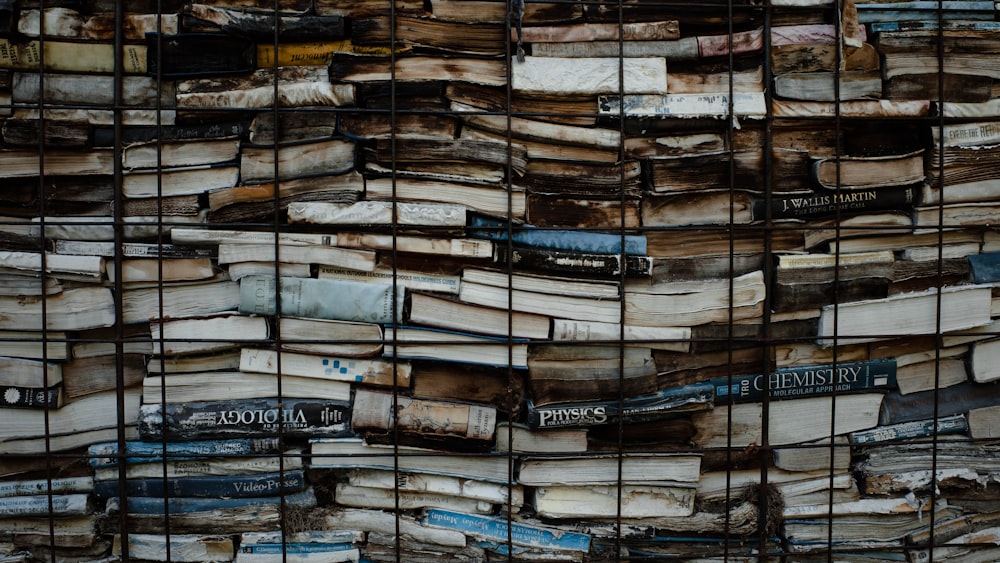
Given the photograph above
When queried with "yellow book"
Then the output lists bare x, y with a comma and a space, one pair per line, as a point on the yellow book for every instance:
311, 53
65, 56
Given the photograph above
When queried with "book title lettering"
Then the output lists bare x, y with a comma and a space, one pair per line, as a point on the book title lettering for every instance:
848, 200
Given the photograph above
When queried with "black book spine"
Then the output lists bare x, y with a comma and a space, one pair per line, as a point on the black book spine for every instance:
956, 399
662, 404
226, 486
828, 203
556, 261
807, 381
248, 418
12, 396
192, 55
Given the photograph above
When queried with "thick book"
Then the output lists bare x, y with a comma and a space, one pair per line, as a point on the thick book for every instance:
226, 486
661, 404
382, 411
422, 343
247, 418
74, 504
807, 381
499, 530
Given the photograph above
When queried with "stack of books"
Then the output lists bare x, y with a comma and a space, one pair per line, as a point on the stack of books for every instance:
345, 281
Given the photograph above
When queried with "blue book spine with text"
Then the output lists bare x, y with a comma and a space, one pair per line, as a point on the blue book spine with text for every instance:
496, 529
295, 547
104, 454
230, 486
185, 505
561, 239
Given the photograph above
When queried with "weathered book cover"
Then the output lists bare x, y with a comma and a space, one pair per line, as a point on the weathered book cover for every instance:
199, 54
830, 203
807, 381
957, 399
180, 505
245, 418
905, 430
483, 226
496, 529
664, 403
226, 486
16, 396
985, 267
105, 454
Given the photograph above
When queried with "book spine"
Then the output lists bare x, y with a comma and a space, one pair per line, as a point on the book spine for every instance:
43, 486
296, 547
825, 203
15, 396
807, 381
985, 267
185, 505
38, 505
247, 418
634, 409
378, 411
580, 241
309, 297
572, 262
947, 401
183, 55
227, 486
103, 454
497, 529
916, 429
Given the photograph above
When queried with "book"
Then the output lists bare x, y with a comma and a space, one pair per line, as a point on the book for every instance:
107, 453
637, 501
309, 366
181, 388
201, 335
412, 342
216, 466
490, 528
693, 303
805, 381
297, 85
347, 453
947, 401
814, 419
385, 412
601, 309
243, 418
956, 424
962, 307
591, 76
451, 314
189, 547
660, 404
28, 383
521, 438
379, 213
182, 505
560, 262
38, 505
575, 240
227, 486
305, 297
437, 484
36, 487
93, 412
600, 470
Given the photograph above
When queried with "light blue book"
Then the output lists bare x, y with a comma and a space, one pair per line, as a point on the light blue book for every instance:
495, 529
136, 451
931, 25
295, 547
926, 10
481, 226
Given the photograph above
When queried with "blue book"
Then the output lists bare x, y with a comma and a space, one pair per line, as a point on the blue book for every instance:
230, 486
185, 505
490, 528
985, 267
876, 27
482, 226
105, 454
295, 547
924, 10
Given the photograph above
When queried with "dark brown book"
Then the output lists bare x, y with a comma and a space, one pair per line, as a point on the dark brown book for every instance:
560, 211
703, 171
452, 150
456, 37
29, 132
575, 178
957, 87
199, 54
448, 381
261, 26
